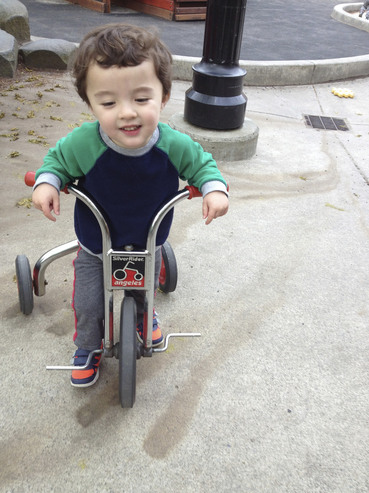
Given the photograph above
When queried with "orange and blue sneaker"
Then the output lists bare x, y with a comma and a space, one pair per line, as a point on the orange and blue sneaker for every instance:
157, 336
87, 377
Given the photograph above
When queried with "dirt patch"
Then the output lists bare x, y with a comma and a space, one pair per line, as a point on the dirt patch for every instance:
36, 109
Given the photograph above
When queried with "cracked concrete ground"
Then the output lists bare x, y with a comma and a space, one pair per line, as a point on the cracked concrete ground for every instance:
274, 396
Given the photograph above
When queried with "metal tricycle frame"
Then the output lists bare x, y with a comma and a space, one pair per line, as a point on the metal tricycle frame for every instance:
128, 255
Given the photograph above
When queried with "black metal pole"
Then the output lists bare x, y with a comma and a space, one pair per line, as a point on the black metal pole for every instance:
215, 100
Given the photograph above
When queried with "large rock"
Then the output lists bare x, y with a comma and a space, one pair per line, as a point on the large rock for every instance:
8, 54
48, 54
14, 19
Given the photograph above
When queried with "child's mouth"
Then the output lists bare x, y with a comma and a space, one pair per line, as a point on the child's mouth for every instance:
131, 130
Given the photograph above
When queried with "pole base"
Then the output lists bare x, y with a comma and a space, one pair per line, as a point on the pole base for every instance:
215, 100
233, 145
213, 112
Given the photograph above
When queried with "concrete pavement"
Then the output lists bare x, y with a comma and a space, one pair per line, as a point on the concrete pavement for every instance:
274, 396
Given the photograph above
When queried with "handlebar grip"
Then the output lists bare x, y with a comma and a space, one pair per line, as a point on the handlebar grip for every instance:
193, 192
29, 178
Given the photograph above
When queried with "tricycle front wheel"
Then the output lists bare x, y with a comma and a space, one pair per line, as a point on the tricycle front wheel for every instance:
127, 352
24, 283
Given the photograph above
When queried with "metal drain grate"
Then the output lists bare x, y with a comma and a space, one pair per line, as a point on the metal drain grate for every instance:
325, 122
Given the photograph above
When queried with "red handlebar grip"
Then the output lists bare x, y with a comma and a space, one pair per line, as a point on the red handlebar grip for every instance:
29, 178
194, 192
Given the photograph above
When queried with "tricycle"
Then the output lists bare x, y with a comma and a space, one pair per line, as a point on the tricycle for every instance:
122, 269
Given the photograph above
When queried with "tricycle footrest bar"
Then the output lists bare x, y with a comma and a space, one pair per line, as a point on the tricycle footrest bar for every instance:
166, 340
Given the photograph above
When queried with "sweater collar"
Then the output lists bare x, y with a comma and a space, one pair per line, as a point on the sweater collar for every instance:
130, 152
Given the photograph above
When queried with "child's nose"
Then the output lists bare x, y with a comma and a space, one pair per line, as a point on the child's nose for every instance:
126, 111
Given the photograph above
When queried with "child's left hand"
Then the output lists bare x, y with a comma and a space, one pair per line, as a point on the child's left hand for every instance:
214, 204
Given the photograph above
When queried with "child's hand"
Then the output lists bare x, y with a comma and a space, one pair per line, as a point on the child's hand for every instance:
46, 198
215, 204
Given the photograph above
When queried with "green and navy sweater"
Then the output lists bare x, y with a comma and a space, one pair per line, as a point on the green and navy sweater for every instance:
129, 185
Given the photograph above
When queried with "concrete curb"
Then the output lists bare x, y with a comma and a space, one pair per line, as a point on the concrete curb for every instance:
344, 13
284, 73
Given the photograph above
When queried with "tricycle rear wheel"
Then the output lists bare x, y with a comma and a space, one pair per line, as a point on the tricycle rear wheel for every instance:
24, 283
127, 352
168, 271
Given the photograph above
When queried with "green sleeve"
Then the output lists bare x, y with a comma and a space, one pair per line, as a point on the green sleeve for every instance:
74, 155
194, 165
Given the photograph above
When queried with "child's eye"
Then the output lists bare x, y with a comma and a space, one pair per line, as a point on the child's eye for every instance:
108, 103
142, 100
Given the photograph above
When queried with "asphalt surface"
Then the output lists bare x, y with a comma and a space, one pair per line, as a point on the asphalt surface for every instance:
276, 30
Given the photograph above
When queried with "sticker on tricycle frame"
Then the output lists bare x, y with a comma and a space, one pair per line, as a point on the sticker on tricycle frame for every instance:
128, 271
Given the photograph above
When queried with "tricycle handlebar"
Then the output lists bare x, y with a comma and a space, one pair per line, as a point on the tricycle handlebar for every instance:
30, 178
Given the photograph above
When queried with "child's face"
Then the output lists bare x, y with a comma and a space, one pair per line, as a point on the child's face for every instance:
127, 102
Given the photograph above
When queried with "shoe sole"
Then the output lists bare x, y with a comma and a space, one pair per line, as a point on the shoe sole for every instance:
84, 385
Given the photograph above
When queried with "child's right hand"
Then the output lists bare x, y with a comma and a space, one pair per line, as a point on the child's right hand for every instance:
46, 198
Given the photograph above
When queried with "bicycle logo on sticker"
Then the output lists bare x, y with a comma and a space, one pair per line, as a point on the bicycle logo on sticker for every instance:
130, 274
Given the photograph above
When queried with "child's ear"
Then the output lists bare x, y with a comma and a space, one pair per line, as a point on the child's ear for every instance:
165, 100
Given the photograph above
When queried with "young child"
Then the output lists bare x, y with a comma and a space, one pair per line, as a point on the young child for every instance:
128, 162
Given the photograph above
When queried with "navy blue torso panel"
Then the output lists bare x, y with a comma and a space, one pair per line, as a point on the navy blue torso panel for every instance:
129, 191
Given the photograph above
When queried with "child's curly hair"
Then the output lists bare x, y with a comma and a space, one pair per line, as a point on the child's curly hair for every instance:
121, 45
